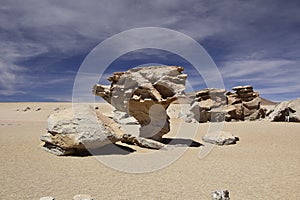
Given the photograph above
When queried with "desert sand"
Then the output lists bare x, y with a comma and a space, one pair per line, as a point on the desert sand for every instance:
264, 164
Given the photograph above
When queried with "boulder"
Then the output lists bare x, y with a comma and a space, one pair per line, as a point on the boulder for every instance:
220, 138
286, 111
78, 129
83, 128
145, 93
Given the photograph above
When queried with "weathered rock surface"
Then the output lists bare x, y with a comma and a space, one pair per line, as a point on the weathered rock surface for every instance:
220, 195
208, 105
286, 111
75, 130
123, 118
221, 138
218, 105
145, 94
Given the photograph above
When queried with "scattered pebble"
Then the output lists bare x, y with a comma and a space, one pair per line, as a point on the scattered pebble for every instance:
96, 108
56, 109
38, 109
82, 197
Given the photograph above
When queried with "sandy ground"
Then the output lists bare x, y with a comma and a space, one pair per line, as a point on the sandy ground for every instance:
264, 164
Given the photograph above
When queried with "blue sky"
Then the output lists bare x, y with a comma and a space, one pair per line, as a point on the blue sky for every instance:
43, 43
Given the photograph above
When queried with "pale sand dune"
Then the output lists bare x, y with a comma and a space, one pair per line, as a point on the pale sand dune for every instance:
263, 165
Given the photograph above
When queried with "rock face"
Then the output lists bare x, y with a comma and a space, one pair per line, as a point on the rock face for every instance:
221, 138
76, 130
286, 111
145, 93
218, 105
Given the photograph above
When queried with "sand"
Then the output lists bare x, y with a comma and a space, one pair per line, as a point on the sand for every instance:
264, 164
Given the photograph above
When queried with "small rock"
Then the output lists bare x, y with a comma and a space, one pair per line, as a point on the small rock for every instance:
82, 197
220, 195
96, 108
38, 109
47, 198
220, 138
26, 109
56, 109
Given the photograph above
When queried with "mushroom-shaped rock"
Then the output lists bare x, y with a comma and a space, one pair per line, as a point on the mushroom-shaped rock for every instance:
145, 93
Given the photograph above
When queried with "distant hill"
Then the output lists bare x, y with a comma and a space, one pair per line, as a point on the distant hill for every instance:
267, 102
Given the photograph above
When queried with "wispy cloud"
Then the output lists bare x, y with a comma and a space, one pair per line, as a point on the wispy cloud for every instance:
253, 42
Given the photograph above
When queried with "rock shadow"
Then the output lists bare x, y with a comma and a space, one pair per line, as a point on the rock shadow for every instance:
181, 142
110, 149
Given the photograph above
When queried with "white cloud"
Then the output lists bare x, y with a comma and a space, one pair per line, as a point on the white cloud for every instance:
10, 77
256, 43
245, 68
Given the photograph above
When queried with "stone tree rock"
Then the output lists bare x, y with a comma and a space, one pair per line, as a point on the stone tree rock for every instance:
145, 93
218, 105
83, 128
286, 111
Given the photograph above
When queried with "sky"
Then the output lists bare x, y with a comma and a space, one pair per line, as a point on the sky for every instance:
43, 43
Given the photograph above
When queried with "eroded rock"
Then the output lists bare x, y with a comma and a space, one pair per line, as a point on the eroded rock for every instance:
145, 94
78, 129
286, 111
218, 105
83, 128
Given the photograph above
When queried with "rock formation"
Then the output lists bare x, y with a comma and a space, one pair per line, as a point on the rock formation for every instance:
286, 111
208, 105
145, 93
83, 128
218, 105
246, 103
